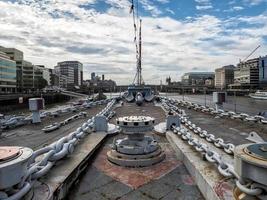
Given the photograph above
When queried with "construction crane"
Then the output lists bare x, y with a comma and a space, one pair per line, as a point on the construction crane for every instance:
251, 53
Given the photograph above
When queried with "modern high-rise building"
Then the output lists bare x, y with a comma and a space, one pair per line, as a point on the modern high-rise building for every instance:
64, 69
263, 71
17, 56
8, 81
27, 75
93, 76
73, 70
246, 74
224, 76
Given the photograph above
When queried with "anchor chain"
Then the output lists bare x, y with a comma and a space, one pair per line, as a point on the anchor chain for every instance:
221, 113
44, 159
224, 168
217, 142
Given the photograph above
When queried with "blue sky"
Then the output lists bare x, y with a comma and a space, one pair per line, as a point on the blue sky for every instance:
179, 36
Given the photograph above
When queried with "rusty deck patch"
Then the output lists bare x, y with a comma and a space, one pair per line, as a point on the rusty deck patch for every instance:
136, 177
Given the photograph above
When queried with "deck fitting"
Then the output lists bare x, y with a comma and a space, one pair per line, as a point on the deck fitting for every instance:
137, 149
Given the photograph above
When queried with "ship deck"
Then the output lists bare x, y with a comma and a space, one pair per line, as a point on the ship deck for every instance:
169, 179
31, 135
104, 180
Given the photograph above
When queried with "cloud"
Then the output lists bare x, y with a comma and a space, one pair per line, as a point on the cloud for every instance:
149, 6
202, 1
234, 8
254, 2
204, 7
170, 11
163, 1
203, 4
103, 41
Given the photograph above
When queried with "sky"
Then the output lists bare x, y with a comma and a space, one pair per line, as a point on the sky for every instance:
178, 35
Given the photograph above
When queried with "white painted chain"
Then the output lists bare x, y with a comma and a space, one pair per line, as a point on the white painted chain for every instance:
219, 112
224, 168
56, 151
217, 142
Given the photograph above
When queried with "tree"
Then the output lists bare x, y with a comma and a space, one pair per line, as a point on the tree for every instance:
40, 82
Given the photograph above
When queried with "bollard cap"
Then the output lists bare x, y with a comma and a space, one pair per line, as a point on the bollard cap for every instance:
8, 153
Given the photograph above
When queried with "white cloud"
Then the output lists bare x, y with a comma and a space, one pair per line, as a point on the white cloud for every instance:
237, 8
149, 6
202, 1
203, 4
170, 11
104, 41
255, 2
204, 7
163, 1
234, 8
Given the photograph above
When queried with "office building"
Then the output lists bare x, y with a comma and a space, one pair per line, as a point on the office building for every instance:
224, 76
93, 76
27, 75
63, 81
263, 72
17, 56
46, 74
54, 78
8, 74
73, 70
198, 78
246, 74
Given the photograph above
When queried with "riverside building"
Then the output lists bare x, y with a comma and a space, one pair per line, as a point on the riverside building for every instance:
246, 75
224, 76
8, 81
73, 70
17, 56
198, 78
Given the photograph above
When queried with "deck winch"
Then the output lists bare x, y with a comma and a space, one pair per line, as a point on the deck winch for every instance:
137, 149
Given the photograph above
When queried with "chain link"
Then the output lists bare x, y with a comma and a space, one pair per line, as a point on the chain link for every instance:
224, 168
221, 113
44, 159
217, 142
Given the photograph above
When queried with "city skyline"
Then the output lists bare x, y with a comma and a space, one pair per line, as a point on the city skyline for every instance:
179, 37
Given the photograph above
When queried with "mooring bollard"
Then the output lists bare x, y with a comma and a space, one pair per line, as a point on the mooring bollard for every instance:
172, 120
101, 124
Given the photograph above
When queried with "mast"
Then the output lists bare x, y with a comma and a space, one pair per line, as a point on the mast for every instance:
138, 80
139, 67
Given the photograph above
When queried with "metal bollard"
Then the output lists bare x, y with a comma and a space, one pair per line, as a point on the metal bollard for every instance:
172, 120
101, 124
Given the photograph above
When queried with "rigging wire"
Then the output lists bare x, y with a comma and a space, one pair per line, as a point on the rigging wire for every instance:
134, 9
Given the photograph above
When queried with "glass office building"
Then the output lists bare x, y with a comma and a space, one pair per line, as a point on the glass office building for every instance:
263, 71
8, 75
